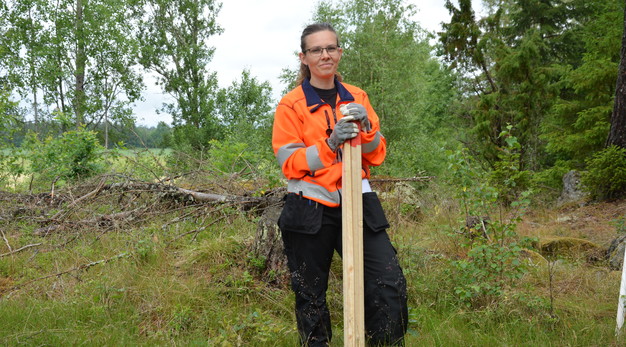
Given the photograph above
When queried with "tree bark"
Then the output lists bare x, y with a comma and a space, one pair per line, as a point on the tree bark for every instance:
81, 63
33, 79
617, 134
268, 246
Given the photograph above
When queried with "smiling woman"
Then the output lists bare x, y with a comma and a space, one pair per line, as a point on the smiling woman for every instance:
319, 62
308, 135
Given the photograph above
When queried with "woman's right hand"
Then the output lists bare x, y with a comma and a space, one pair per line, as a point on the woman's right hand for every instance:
344, 130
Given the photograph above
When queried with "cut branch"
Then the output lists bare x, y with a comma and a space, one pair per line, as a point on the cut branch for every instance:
21, 249
84, 197
410, 179
95, 221
77, 268
6, 241
187, 194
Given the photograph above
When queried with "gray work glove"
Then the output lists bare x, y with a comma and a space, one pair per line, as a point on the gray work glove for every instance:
344, 130
359, 113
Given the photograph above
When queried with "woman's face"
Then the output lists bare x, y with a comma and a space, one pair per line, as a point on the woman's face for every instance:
322, 66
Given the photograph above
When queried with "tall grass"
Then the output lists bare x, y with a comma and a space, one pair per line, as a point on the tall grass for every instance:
168, 282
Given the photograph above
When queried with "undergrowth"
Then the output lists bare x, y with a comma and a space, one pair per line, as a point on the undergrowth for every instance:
181, 272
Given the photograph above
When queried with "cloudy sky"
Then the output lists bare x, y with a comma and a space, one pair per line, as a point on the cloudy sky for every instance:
262, 36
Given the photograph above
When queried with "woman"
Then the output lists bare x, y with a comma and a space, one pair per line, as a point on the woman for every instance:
307, 137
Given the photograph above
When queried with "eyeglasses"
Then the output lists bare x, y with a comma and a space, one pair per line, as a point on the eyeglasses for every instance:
317, 51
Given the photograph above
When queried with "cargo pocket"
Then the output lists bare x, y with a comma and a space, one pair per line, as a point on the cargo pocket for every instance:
300, 215
373, 214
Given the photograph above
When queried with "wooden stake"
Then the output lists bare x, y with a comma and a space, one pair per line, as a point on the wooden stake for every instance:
622, 296
352, 249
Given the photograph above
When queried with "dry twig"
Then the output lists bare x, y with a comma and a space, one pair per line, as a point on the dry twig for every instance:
197, 230
98, 221
5, 240
77, 268
409, 179
84, 197
21, 249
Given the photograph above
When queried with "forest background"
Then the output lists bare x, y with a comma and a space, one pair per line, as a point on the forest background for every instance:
482, 120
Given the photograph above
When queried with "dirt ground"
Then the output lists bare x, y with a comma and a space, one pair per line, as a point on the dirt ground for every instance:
599, 222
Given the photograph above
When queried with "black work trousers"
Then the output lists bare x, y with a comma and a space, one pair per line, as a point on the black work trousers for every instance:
309, 253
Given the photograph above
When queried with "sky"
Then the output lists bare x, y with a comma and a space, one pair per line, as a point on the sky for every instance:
263, 36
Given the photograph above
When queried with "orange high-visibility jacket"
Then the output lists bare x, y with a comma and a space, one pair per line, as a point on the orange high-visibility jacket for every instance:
301, 127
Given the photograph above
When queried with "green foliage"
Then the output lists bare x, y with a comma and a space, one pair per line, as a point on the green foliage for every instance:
547, 184
230, 157
9, 162
605, 177
389, 56
173, 37
507, 176
514, 60
487, 272
74, 155
246, 113
476, 197
493, 247
579, 121
77, 57
146, 164
137, 136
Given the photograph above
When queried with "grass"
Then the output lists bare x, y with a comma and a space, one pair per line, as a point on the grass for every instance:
204, 292
159, 294
159, 280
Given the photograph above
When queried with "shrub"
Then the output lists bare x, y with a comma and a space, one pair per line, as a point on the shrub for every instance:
605, 177
493, 247
9, 162
507, 177
74, 155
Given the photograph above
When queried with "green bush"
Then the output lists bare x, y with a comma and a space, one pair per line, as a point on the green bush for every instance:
547, 184
230, 156
9, 123
74, 155
492, 249
605, 177
507, 176
229, 159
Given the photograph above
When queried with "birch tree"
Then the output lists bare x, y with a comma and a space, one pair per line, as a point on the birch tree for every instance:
75, 58
174, 44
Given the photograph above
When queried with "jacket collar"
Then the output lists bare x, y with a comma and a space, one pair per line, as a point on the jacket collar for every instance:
313, 101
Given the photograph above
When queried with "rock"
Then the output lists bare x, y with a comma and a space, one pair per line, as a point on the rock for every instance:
572, 191
403, 199
615, 253
564, 219
569, 247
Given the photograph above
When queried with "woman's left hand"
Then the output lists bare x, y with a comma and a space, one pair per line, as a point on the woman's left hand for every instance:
359, 113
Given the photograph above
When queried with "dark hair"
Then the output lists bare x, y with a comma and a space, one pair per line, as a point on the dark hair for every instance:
312, 29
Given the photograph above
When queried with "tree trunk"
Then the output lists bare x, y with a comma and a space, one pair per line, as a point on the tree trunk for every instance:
617, 134
268, 246
106, 129
59, 62
33, 79
81, 62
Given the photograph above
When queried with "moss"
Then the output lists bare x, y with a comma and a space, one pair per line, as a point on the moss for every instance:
568, 247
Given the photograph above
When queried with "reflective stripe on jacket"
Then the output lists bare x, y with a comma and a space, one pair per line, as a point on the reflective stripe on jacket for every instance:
299, 141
